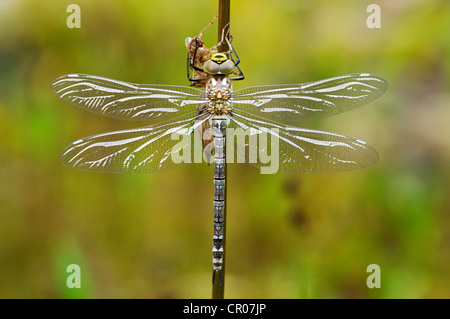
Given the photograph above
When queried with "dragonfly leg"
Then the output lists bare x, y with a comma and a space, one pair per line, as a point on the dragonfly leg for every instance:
191, 64
234, 51
194, 58
239, 73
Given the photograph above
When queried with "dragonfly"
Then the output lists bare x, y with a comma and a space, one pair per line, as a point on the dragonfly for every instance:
270, 111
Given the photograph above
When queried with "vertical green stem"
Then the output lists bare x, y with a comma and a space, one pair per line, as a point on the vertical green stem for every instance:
224, 19
219, 283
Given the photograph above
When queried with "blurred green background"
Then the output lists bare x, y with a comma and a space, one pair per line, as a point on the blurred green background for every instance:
289, 236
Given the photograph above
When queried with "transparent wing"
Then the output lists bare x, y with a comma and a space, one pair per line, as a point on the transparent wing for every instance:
126, 101
314, 100
292, 149
141, 150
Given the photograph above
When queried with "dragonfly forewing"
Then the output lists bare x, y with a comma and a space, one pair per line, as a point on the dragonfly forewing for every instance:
126, 101
315, 100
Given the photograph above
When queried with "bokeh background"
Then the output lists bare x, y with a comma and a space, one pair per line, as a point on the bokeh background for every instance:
289, 236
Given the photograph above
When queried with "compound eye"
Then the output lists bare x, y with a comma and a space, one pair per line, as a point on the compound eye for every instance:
211, 67
227, 67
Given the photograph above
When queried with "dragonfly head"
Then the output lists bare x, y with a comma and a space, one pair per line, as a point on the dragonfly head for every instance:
219, 63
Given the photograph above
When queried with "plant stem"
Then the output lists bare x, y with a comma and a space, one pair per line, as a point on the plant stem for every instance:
224, 19
219, 283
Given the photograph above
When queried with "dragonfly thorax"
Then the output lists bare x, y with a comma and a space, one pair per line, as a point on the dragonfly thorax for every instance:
218, 89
